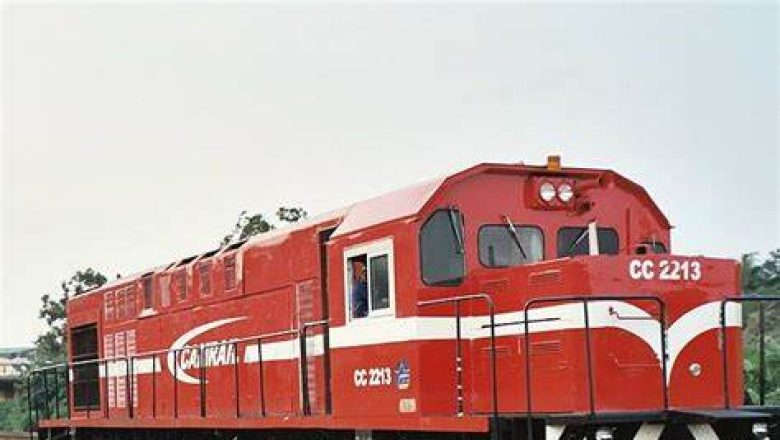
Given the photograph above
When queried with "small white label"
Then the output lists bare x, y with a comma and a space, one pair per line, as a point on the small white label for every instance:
407, 405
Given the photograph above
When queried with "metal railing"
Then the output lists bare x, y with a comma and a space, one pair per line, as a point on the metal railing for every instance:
40, 409
586, 301
761, 300
526, 322
41, 402
456, 301
304, 367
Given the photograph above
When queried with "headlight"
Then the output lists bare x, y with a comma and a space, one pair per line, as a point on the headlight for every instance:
565, 192
547, 191
604, 434
761, 430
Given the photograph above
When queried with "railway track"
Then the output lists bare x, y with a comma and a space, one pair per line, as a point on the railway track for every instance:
4, 435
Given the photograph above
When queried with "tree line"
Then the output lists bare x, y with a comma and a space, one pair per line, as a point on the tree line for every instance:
761, 277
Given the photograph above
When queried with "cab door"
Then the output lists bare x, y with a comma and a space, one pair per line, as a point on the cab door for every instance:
312, 316
368, 358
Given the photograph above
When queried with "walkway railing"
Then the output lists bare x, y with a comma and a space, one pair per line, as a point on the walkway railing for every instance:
52, 377
40, 408
456, 302
526, 323
586, 301
761, 301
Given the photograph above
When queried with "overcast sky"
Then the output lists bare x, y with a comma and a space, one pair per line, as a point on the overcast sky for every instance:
134, 135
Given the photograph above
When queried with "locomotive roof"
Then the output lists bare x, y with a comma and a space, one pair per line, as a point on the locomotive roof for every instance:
408, 202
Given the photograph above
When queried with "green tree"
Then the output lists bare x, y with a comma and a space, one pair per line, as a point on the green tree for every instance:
50, 346
12, 416
291, 215
250, 225
762, 277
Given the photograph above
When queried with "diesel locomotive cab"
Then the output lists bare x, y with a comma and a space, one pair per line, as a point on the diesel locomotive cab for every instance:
550, 214
588, 302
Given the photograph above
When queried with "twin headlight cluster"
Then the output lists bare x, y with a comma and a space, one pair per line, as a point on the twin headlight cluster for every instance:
564, 192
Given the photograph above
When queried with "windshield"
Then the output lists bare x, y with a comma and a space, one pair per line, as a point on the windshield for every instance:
574, 241
441, 248
502, 246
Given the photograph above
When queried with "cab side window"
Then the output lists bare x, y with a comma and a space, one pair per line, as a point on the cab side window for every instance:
358, 286
441, 248
652, 247
369, 281
380, 282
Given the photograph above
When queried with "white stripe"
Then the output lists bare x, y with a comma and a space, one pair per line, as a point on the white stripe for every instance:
570, 316
553, 432
601, 314
649, 432
120, 368
285, 350
696, 322
703, 432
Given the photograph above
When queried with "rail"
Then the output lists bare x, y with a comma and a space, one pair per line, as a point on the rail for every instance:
586, 300
761, 300
456, 301
304, 366
40, 407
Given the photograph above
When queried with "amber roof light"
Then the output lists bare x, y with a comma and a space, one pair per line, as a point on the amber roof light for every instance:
554, 163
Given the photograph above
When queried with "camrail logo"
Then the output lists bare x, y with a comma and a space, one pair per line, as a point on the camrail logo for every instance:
182, 356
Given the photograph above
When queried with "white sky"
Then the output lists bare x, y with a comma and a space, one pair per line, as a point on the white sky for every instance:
134, 135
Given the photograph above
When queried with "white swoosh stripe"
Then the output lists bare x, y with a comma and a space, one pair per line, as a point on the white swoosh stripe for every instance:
182, 341
601, 314
697, 322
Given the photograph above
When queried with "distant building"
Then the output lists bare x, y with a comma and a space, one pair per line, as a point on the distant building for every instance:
12, 360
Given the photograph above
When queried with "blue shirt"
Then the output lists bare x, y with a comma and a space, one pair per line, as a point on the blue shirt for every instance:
360, 299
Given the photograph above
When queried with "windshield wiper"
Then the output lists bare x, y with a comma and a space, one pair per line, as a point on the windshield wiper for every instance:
456, 229
513, 232
583, 234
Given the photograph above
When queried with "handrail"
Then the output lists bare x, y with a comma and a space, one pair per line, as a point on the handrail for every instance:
30, 408
304, 365
761, 344
129, 367
458, 355
586, 299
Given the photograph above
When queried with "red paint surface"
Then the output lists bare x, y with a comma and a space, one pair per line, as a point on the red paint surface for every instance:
272, 270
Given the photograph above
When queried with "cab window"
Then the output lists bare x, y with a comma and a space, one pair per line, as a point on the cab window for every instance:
501, 246
652, 247
575, 241
369, 280
441, 248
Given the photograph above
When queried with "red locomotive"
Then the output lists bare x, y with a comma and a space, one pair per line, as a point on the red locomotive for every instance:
505, 301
